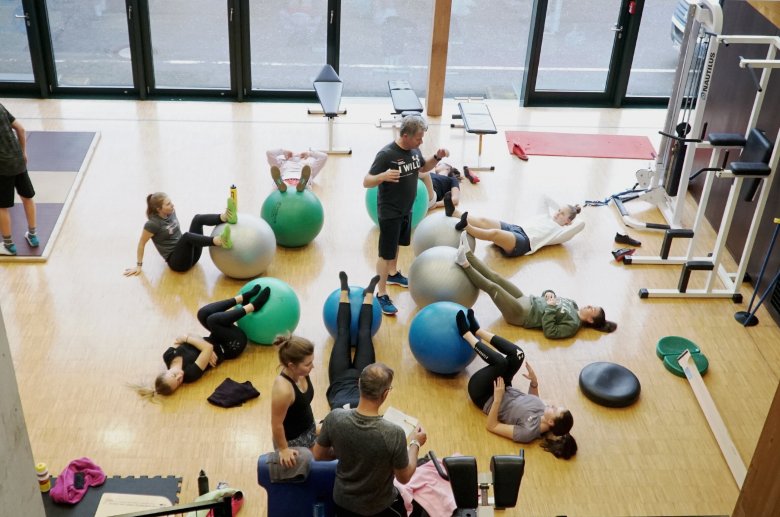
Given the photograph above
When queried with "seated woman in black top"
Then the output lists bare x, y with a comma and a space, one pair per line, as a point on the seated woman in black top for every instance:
192, 355
292, 420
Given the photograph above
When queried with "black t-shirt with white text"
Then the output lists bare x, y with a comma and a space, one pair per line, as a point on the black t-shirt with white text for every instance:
397, 199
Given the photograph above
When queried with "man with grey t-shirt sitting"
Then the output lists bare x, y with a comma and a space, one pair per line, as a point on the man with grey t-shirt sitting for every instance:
370, 450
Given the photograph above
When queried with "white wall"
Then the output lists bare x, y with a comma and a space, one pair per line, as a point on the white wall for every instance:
19, 493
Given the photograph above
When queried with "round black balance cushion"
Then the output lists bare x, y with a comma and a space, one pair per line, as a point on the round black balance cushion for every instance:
609, 384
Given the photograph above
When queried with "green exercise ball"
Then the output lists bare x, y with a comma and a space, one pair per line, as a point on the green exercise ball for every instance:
279, 315
295, 217
419, 209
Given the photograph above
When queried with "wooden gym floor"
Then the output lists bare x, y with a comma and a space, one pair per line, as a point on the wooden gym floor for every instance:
79, 331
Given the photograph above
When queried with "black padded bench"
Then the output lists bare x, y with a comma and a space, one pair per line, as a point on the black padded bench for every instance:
477, 120
405, 102
328, 86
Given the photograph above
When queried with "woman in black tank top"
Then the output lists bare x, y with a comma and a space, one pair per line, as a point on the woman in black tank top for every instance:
292, 420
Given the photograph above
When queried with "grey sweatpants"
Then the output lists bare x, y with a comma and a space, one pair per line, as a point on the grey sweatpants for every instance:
509, 299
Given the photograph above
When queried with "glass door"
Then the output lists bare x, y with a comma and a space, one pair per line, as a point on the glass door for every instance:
89, 45
187, 47
287, 43
576, 51
18, 45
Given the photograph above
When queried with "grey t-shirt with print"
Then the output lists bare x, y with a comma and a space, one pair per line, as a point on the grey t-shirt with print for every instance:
522, 411
165, 233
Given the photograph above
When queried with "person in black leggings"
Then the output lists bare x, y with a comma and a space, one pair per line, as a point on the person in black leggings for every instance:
511, 413
344, 370
192, 355
180, 250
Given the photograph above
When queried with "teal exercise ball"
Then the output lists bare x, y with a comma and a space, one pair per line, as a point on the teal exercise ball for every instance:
419, 209
295, 217
279, 315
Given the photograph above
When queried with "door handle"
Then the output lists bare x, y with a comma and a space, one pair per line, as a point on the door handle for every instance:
25, 16
619, 29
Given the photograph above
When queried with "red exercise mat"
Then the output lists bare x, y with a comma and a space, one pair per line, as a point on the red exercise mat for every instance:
577, 144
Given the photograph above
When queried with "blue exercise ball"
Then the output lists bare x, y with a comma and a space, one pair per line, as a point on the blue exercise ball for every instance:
419, 209
295, 217
279, 315
331, 309
435, 341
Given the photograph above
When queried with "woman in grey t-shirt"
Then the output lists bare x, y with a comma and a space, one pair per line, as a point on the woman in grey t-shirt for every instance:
180, 250
511, 413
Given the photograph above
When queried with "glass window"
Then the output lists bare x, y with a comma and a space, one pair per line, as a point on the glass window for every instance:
486, 56
288, 43
90, 43
15, 65
577, 46
657, 48
384, 40
190, 45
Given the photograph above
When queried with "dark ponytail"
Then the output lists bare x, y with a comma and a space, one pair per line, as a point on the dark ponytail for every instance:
562, 447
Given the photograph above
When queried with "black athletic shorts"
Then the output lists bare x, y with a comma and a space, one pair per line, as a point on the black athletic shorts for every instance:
394, 232
522, 243
20, 183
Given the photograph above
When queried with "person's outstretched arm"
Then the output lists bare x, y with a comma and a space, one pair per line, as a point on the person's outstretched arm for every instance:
139, 254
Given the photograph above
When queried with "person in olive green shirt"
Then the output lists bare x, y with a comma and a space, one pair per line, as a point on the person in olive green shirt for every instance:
559, 318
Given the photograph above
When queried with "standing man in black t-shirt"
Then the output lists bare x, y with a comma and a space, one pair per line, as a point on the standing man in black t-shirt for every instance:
395, 171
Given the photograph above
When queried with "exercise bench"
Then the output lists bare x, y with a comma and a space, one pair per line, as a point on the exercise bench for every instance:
328, 87
471, 488
476, 119
405, 102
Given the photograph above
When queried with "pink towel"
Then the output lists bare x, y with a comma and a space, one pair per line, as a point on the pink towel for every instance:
65, 490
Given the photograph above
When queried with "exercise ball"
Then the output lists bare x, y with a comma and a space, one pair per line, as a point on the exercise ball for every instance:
419, 209
435, 341
435, 277
295, 217
438, 230
331, 309
279, 315
254, 247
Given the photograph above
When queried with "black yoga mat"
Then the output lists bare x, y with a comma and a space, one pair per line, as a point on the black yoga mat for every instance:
168, 487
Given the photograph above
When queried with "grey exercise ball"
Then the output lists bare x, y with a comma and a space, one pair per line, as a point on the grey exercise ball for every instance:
254, 247
437, 230
435, 277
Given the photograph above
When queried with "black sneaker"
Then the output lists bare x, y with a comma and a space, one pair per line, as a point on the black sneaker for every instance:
387, 305
626, 239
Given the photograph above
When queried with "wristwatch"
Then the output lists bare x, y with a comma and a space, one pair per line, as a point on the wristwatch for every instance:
415, 442
436, 157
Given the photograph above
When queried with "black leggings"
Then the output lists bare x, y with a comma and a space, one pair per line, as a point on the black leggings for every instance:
218, 318
505, 364
190, 246
341, 361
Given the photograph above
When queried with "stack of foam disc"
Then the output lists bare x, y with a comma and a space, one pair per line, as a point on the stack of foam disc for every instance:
670, 347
